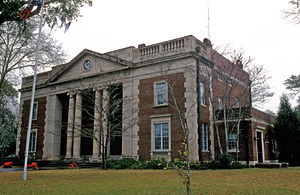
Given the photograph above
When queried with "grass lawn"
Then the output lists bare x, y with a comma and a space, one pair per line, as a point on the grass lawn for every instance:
95, 181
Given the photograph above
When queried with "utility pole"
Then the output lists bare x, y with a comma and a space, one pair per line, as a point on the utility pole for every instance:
37, 56
208, 20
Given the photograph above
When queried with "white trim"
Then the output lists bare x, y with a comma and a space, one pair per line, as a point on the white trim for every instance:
251, 162
247, 119
260, 128
155, 95
153, 150
160, 116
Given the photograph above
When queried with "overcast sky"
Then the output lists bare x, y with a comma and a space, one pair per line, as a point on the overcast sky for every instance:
256, 26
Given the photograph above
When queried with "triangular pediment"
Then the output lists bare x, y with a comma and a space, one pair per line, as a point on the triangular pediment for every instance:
88, 63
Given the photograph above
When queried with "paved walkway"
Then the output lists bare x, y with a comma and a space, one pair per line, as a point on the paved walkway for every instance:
10, 169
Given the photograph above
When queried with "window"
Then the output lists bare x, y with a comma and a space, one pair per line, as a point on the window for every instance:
161, 135
273, 145
220, 104
32, 141
160, 93
204, 137
219, 76
202, 94
229, 82
35, 111
232, 141
237, 102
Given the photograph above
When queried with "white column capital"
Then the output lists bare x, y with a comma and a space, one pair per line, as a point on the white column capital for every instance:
71, 94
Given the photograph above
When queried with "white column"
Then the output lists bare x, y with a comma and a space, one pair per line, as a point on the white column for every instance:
77, 126
70, 126
97, 123
52, 135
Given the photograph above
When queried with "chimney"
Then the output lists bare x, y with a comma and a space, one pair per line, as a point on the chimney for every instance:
207, 42
141, 45
239, 63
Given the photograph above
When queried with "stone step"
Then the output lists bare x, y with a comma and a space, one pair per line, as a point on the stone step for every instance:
272, 165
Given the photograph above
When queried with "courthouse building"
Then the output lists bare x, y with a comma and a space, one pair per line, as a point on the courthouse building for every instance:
138, 93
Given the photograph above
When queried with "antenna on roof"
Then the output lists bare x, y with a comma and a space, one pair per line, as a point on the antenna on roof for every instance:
208, 20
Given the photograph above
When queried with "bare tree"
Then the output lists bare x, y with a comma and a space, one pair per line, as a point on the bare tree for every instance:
182, 115
239, 83
293, 13
17, 49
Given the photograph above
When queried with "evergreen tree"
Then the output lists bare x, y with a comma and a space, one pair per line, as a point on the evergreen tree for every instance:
287, 132
8, 120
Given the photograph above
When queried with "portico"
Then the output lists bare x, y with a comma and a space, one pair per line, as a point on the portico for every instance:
76, 130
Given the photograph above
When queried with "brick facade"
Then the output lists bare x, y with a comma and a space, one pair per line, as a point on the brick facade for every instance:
38, 124
147, 109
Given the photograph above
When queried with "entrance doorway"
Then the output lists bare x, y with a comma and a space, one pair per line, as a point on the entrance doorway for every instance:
259, 144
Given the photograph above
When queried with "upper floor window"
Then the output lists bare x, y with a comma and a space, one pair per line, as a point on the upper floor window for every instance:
237, 102
219, 76
35, 111
232, 141
204, 137
160, 93
220, 103
202, 94
229, 82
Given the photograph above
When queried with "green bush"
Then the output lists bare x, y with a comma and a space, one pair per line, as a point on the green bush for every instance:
237, 165
124, 163
199, 166
153, 164
213, 164
176, 164
225, 160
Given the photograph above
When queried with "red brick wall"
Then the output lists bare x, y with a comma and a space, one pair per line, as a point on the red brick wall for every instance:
262, 116
38, 124
147, 109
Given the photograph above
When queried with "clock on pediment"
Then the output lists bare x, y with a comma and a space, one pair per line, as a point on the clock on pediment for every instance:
87, 65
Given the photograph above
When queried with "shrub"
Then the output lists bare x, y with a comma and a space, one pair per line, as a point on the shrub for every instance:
213, 164
176, 164
153, 164
237, 165
124, 163
225, 160
7, 165
199, 166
